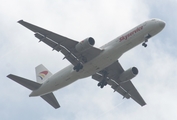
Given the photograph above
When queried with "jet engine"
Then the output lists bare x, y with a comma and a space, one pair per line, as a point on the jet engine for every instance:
128, 74
85, 44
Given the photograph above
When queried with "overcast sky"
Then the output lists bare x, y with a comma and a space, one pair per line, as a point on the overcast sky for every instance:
20, 53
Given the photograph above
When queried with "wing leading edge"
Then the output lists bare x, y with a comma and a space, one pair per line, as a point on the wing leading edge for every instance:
126, 89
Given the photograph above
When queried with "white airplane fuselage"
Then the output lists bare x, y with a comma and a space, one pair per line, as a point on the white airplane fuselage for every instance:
110, 53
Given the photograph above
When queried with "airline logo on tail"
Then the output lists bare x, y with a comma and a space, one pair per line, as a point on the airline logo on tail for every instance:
43, 74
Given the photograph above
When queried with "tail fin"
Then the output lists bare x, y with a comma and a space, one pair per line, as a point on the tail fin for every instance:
42, 73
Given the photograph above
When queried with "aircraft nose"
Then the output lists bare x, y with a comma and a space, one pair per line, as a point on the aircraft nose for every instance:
162, 24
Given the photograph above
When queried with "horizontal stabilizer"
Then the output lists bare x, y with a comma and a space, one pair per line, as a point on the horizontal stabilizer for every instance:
25, 82
50, 98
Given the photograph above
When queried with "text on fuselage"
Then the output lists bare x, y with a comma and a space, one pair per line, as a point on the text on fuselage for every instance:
125, 37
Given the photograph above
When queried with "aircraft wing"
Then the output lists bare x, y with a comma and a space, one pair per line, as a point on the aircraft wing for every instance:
126, 89
63, 44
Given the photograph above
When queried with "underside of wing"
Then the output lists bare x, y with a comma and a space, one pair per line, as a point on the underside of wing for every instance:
113, 85
48, 34
77, 53
131, 90
119, 80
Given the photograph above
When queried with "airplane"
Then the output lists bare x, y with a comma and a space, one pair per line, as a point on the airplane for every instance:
86, 60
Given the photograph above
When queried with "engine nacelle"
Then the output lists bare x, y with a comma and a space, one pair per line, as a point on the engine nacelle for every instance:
85, 44
128, 74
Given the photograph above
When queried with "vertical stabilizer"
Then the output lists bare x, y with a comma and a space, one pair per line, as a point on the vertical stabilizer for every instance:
42, 73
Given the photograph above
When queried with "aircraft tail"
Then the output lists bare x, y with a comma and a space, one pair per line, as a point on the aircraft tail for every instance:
42, 73
49, 98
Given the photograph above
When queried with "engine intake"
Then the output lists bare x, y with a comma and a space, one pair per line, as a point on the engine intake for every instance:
128, 74
85, 44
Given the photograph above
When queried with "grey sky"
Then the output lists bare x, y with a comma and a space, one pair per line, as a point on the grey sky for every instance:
103, 20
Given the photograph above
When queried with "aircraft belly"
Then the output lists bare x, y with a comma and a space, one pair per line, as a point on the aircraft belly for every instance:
99, 63
62, 80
